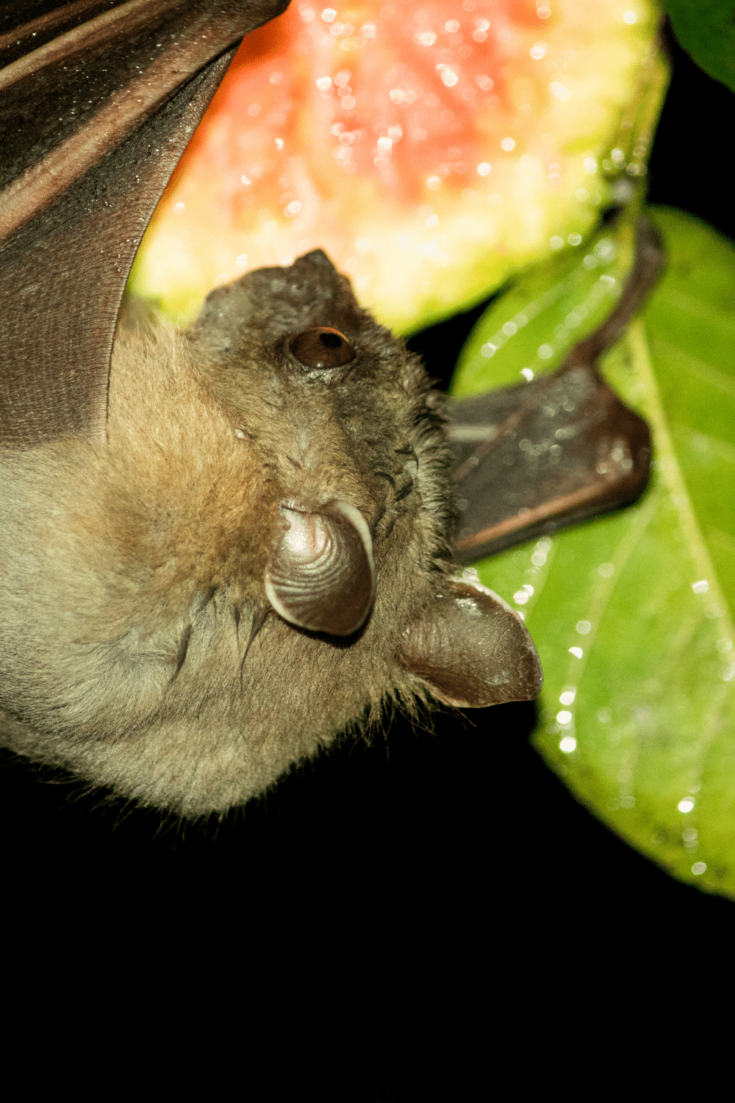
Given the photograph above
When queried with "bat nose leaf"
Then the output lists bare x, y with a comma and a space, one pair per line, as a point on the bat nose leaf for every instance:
321, 576
473, 650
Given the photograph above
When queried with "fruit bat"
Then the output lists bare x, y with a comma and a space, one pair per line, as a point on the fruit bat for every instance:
220, 549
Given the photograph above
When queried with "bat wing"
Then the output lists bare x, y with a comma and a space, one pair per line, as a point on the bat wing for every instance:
98, 99
536, 457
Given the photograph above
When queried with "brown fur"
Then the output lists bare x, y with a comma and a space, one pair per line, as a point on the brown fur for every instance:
137, 647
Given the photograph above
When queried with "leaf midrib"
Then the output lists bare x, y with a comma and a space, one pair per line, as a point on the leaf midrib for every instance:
714, 375
671, 473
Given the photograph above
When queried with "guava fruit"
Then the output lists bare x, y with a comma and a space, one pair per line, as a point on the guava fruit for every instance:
431, 148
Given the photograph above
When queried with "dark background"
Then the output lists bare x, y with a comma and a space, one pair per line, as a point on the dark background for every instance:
426, 883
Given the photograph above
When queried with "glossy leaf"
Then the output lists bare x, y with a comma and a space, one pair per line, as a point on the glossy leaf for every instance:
706, 30
632, 614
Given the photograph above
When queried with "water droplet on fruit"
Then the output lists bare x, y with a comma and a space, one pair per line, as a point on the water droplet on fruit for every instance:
559, 90
447, 74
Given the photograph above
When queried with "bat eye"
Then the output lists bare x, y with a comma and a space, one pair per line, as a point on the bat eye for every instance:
321, 348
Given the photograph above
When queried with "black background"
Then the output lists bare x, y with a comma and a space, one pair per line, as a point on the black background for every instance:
425, 883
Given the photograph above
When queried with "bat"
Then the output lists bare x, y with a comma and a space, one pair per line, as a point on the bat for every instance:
221, 548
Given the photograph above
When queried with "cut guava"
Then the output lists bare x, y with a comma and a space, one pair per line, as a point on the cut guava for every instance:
431, 148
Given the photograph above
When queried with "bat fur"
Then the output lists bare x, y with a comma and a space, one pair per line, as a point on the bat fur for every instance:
138, 646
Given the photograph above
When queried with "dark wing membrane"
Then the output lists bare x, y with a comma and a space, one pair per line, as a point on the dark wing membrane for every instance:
531, 459
97, 102
536, 457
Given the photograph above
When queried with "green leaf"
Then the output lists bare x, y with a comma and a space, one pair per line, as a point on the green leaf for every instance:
706, 30
633, 614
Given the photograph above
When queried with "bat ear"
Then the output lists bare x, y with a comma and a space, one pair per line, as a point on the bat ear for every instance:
321, 576
472, 650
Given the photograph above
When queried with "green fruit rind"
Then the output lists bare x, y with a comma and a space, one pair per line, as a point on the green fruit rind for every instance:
639, 718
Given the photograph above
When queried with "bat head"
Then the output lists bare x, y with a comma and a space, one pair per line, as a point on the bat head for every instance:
256, 560
341, 430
